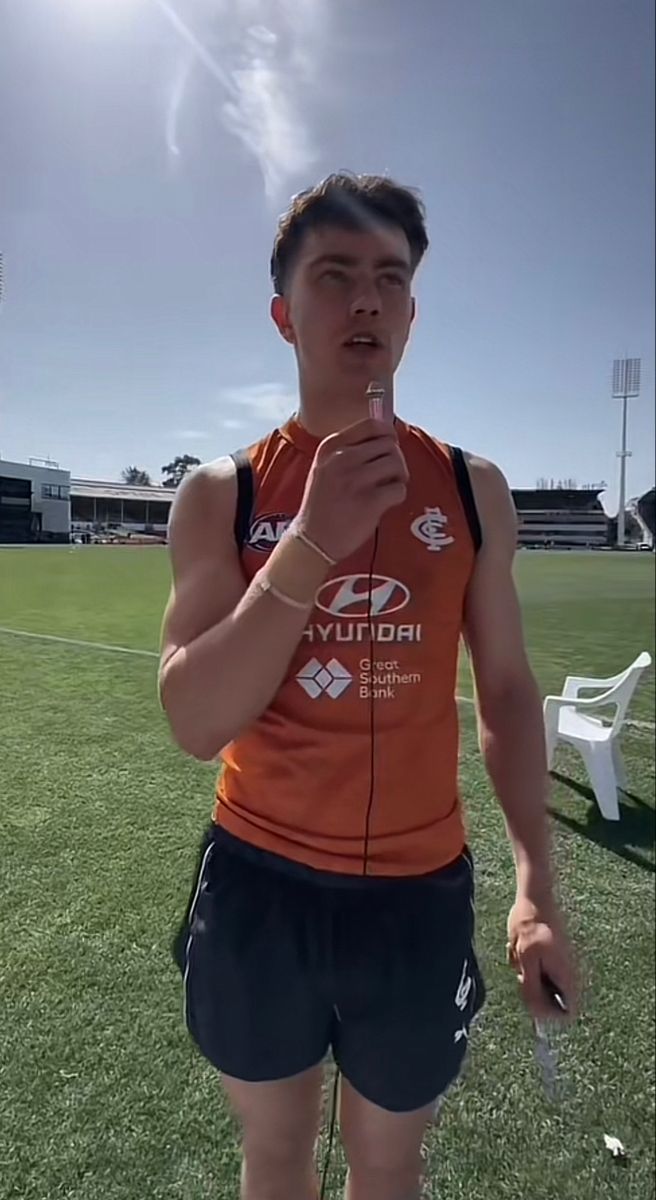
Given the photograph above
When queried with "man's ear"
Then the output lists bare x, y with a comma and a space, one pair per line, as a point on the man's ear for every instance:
281, 318
413, 310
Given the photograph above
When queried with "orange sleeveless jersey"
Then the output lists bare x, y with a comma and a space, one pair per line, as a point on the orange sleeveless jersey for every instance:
353, 766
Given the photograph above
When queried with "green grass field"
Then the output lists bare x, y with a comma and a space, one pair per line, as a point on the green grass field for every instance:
102, 1096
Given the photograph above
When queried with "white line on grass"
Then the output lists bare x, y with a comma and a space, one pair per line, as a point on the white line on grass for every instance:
51, 637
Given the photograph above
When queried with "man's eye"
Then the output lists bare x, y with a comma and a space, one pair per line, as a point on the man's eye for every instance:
334, 275
393, 279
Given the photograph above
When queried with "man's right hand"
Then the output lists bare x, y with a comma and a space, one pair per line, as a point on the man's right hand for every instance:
357, 475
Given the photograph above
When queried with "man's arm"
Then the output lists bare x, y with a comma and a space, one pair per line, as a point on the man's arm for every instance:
225, 646
511, 734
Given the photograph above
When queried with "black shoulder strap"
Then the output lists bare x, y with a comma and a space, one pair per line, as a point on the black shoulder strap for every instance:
461, 472
245, 490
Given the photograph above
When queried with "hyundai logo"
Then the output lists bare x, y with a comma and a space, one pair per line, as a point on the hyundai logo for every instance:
349, 596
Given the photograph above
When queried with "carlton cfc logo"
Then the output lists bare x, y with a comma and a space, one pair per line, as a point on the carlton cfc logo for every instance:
430, 529
349, 596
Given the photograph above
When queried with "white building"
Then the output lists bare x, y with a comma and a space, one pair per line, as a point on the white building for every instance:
35, 502
567, 517
121, 507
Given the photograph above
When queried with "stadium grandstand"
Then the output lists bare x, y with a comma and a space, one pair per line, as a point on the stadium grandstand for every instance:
41, 503
549, 518
119, 509
566, 518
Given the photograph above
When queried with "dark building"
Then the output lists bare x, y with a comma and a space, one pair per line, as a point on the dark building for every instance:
647, 511
34, 502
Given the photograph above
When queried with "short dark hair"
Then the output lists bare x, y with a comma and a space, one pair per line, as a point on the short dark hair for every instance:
348, 202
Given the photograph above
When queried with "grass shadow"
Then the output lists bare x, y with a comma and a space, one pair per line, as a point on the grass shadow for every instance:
636, 827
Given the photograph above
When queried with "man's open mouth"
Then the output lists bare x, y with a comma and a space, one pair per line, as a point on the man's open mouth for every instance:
364, 339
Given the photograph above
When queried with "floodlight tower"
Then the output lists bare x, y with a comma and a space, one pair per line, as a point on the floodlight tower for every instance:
626, 385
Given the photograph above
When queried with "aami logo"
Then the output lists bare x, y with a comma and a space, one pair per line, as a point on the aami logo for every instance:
349, 596
266, 531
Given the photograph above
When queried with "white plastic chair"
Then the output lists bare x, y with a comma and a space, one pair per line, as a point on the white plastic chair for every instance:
568, 718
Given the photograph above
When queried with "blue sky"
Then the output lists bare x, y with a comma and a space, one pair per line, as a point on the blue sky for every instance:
148, 146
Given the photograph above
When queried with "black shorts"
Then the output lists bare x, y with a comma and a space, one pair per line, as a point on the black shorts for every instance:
283, 964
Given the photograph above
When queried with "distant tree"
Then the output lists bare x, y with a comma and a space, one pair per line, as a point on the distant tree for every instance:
136, 477
174, 472
553, 485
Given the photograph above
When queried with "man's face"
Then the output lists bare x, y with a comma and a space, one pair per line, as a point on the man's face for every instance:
348, 308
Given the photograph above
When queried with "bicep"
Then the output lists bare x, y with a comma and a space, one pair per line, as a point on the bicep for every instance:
208, 580
493, 622
493, 628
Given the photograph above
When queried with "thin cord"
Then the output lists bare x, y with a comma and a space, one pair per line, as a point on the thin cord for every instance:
372, 710
331, 1137
365, 860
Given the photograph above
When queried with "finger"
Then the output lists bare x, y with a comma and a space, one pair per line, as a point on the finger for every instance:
389, 495
535, 996
561, 979
538, 986
361, 431
388, 469
373, 450
538, 1005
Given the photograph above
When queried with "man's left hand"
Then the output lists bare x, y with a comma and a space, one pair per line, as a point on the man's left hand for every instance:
538, 946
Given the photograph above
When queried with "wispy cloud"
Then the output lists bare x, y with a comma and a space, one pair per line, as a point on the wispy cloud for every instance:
266, 60
232, 423
192, 435
175, 101
270, 402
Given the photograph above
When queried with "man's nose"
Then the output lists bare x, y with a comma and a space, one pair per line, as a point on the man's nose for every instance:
366, 303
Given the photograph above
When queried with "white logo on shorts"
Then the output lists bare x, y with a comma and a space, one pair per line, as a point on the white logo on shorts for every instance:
462, 999
464, 987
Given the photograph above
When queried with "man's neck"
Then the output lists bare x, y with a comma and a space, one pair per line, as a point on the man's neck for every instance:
322, 411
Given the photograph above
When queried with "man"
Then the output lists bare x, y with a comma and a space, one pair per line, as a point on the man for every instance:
322, 583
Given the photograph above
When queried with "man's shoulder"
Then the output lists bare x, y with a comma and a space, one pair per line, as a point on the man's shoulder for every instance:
435, 445
485, 472
477, 464
206, 494
224, 465
493, 499
218, 475
411, 432
259, 451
